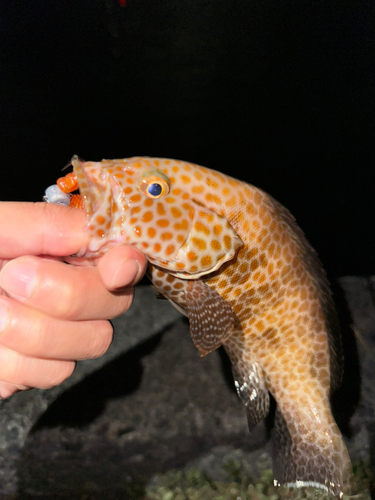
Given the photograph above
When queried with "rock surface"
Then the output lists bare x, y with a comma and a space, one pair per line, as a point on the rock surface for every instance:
152, 404
146, 318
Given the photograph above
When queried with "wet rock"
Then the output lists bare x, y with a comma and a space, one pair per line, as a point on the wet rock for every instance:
152, 405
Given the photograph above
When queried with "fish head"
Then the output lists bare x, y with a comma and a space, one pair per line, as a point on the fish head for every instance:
147, 203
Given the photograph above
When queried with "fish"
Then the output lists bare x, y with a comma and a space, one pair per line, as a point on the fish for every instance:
234, 261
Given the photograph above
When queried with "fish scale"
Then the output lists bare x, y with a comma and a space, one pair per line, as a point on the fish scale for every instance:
233, 260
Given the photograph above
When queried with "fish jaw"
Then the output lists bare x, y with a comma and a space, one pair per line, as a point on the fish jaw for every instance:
104, 204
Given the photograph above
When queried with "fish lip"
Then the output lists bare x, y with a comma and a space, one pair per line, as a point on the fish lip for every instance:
84, 184
97, 188
93, 189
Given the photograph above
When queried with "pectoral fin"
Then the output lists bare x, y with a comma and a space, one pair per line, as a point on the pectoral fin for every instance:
211, 318
253, 393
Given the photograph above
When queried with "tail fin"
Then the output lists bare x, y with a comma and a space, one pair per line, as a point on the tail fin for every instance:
299, 463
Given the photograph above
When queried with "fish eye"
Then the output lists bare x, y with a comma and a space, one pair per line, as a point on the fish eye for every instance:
155, 189
154, 184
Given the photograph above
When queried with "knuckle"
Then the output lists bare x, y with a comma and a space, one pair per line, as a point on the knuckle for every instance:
67, 303
33, 341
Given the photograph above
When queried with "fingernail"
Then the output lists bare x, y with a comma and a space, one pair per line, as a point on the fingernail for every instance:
18, 278
128, 273
4, 316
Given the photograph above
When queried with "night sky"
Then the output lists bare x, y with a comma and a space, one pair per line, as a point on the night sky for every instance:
280, 94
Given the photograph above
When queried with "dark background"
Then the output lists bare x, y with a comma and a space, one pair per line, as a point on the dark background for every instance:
278, 93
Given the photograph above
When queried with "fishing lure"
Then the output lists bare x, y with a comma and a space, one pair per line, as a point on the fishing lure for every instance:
59, 193
233, 260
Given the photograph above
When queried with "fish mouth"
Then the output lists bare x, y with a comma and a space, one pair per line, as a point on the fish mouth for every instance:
104, 205
93, 184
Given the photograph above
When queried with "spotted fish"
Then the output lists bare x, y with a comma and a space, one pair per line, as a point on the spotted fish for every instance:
233, 260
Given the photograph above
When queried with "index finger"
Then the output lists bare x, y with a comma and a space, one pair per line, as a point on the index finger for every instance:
40, 228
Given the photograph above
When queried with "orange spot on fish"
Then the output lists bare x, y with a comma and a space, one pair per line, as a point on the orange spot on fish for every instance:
202, 228
162, 223
213, 198
227, 242
100, 219
191, 255
206, 260
147, 217
215, 245
209, 217
151, 232
169, 250
198, 242
181, 225
160, 209
135, 198
176, 212
212, 183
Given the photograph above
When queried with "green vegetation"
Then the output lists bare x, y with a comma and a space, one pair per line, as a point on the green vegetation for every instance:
197, 485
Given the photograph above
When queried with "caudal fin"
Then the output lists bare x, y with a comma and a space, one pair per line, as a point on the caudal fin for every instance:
298, 463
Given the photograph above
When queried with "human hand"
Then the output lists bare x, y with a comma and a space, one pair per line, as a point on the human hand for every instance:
53, 313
